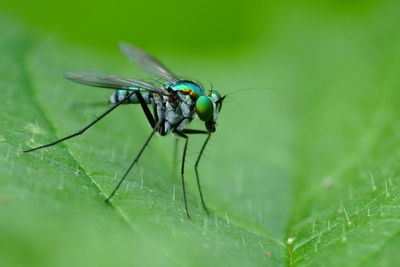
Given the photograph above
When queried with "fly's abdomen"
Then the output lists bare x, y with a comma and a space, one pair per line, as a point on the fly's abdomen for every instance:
119, 95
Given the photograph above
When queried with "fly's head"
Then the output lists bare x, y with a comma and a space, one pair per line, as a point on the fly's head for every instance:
208, 108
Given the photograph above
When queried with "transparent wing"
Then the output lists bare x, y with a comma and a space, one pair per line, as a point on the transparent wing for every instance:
111, 81
147, 62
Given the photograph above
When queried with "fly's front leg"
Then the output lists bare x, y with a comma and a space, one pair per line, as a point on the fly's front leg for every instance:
191, 131
182, 135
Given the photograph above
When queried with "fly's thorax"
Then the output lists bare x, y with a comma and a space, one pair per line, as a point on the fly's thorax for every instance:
186, 106
188, 87
176, 112
173, 116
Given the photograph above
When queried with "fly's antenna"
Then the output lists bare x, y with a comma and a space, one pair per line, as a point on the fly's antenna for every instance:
241, 90
219, 101
256, 88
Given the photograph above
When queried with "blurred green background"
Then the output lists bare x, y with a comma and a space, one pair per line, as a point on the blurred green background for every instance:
304, 174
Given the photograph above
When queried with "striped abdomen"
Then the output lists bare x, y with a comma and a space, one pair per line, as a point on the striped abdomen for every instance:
119, 95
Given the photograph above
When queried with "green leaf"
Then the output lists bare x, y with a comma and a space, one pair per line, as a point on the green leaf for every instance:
52, 200
309, 176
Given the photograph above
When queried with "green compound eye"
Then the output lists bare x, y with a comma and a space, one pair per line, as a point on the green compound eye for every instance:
204, 108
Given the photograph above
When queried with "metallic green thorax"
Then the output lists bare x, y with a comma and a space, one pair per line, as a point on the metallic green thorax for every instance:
185, 85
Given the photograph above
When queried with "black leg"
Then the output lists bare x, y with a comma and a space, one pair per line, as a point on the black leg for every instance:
85, 128
197, 174
156, 126
146, 109
192, 131
155, 110
182, 135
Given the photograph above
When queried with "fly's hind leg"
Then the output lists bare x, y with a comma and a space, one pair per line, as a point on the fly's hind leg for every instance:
155, 128
83, 129
154, 125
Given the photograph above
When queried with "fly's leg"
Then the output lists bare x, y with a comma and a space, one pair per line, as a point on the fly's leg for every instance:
83, 129
146, 109
197, 173
191, 131
150, 117
155, 128
155, 109
182, 135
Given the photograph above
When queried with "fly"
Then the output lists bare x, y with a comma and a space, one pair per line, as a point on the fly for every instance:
175, 103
